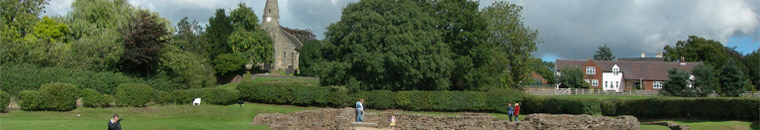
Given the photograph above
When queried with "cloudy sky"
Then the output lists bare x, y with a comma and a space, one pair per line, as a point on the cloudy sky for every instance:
570, 29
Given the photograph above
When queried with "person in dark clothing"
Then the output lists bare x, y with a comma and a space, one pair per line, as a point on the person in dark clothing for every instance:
114, 124
510, 111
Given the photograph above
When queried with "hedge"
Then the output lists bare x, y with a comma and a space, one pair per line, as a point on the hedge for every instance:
293, 94
163, 98
700, 108
91, 98
53, 97
18, 77
5, 100
134, 94
218, 96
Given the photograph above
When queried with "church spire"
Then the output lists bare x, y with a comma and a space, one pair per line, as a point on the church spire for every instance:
271, 13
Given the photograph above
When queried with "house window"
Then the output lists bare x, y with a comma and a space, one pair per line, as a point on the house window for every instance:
617, 84
657, 85
615, 70
605, 84
594, 82
590, 70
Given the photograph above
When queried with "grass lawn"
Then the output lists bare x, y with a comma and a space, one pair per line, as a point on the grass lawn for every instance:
170, 117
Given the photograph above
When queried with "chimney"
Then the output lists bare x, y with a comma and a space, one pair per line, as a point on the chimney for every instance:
682, 61
642, 54
659, 55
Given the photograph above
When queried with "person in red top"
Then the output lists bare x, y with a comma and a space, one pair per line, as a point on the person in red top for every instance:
517, 111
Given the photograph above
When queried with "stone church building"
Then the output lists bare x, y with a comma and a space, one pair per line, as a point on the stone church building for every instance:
286, 46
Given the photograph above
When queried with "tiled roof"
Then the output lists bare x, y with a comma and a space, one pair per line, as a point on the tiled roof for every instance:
645, 70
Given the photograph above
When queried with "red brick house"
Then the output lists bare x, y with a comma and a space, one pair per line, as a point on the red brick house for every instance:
627, 74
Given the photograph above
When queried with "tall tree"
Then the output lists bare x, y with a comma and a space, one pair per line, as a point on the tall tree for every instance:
604, 53
697, 49
248, 41
143, 40
20, 15
188, 36
753, 59
731, 79
572, 77
217, 33
388, 45
677, 84
512, 41
309, 57
705, 80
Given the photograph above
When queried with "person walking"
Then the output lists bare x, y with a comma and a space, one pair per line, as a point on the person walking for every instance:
360, 110
517, 111
510, 111
393, 122
114, 124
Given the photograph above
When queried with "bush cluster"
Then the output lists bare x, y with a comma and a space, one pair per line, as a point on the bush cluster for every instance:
294, 94
18, 77
218, 96
5, 100
699, 108
53, 97
561, 105
278, 93
91, 98
134, 94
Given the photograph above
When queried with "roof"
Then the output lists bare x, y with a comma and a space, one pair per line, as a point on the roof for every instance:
642, 59
291, 39
644, 70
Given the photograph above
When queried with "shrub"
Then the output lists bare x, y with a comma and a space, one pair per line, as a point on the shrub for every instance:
609, 107
5, 100
60, 96
559, 105
181, 97
381, 99
219, 96
18, 77
91, 98
163, 98
134, 94
295, 94
700, 108
31, 100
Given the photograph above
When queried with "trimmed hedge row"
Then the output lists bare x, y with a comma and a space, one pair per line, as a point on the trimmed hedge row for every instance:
702, 108
560, 105
660, 107
219, 96
294, 94
18, 77
53, 97
134, 94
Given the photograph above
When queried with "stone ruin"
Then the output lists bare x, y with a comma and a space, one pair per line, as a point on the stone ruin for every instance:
340, 119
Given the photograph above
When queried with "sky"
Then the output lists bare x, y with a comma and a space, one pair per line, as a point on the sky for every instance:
569, 29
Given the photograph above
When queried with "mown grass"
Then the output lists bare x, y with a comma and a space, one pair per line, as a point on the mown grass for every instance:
709, 125
169, 117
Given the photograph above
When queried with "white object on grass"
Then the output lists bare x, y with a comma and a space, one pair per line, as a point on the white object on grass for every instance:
197, 101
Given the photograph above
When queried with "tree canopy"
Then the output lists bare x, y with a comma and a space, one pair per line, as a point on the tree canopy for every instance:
604, 53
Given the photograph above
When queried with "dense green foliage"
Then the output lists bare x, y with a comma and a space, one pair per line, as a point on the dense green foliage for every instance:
572, 77
5, 100
560, 105
18, 77
309, 57
705, 80
408, 55
134, 94
248, 41
91, 98
753, 59
143, 38
218, 96
713, 53
677, 84
294, 94
731, 80
52, 97
604, 53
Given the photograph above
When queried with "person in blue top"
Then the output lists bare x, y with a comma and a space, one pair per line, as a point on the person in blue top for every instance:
510, 111
360, 110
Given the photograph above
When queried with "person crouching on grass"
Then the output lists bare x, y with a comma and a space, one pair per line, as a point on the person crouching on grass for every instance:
114, 124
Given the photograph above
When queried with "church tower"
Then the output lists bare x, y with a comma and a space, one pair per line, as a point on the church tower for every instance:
286, 46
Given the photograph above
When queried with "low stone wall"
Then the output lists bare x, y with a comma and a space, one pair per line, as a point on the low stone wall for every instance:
341, 118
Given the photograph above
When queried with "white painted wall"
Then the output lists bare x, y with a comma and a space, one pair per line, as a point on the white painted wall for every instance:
612, 81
